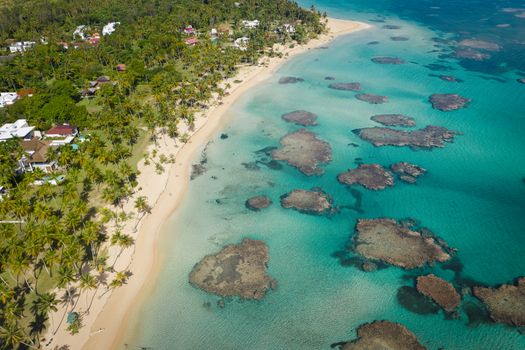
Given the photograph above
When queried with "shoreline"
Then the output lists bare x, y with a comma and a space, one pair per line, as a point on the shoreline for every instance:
109, 318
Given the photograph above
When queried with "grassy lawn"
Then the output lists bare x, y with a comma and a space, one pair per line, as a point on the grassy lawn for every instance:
91, 104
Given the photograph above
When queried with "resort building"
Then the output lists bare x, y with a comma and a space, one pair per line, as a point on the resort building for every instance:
94, 39
289, 28
36, 156
241, 43
21, 46
79, 32
109, 28
61, 135
7, 98
250, 24
191, 41
19, 129
3, 193
189, 30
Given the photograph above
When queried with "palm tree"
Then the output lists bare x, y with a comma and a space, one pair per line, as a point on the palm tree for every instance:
143, 208
89, 282
12, 335
123, 241
44, 304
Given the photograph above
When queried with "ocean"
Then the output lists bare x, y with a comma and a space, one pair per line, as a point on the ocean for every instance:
472, 196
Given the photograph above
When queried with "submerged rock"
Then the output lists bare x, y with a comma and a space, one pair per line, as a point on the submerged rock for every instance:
413, 301
371, 176
388, 241
329, 78
301, 117
439, 290
258, 202
345, 86
398, 38
237, 270
448, 102
471, 54
309, 202
449, 78
429, 137
384, 335
476, 314
407, 172
506, 304
197, 170
303, 150
372, 99
373, 43
290, 80
521, 80
391, 26
388, 60
479, 44
394, 120
439, 67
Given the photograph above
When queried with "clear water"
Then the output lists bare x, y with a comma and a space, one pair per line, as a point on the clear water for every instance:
473, 197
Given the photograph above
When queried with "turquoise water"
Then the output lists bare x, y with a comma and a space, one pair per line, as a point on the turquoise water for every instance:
473, 197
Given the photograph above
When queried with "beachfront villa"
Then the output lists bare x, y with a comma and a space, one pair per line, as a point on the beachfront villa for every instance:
19, 129
109, 28
7, 98
289, 28
250, 24
79, 32
189, 30
191, 41
21, 46
62, 134
36, 156
241, 43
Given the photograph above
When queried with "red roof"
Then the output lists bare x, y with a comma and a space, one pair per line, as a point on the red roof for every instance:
191, 41
63, 129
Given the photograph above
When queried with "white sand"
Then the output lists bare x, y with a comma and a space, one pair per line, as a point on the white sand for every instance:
105, 325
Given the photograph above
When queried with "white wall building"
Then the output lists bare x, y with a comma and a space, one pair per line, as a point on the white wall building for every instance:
250, 24
241, 43
19, 129
7, 98
80, 32
109, 28
289, 28
21, 46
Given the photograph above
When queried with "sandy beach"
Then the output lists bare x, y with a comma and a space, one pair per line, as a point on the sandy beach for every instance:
109, 314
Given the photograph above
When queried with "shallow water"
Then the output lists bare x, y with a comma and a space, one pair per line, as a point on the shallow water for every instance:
472, 196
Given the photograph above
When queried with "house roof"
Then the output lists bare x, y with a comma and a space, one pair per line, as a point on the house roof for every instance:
103, 79
63, 129
191, 41
20, 128
36, 149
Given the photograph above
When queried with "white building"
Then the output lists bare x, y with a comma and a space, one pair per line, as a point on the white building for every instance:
19, 129
109, 28
7, 98
80, 32
21, 46
241, 43
250, 24
289, 28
